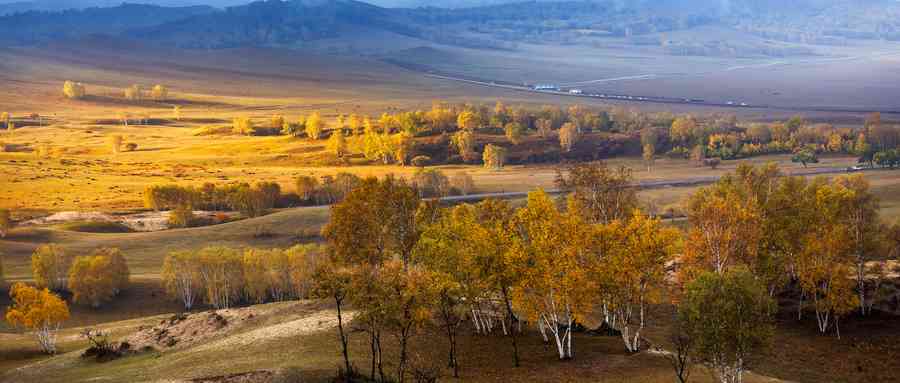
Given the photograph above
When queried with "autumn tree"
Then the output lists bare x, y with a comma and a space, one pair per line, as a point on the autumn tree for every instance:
544, 127
568, 136
683, 130
181, 277
314, 126
514, 132
409, 293
494, 156
306, 187
115, 143
159, 92
222, 274
73, 90
555, 287
337, 144
464, 141
92, 280
467, 121
332, 280
860, 211
633, 271
38, 310
134, 93
50, 266
724, 229
243, 126
601, 194
727, 317
446, 250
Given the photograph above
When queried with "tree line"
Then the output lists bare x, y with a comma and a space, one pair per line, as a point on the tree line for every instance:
462, 131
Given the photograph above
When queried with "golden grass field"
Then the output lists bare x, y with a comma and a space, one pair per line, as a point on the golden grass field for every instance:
83, 174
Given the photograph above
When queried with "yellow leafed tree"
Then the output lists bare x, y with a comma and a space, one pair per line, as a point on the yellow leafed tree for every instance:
38, 310
50, 266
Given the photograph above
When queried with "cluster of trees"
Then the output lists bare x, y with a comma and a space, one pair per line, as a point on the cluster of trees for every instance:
405, 263
222, 277
255, 200
391, 138
74, 90
251, 201
724, 138
92, 279
137, 93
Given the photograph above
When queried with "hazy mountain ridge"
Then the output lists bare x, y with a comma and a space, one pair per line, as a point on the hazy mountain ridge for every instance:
287, 23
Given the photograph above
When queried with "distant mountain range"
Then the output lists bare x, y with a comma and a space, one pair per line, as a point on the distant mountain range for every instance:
285, 23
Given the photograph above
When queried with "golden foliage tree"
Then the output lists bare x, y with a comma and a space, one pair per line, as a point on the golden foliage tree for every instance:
50, 266
633, 271
600, 194
556, 288
159, 92
568, 136
243, 126
115, 143
134, 93
92, 280
314, 126
464, 140
73, 90
724, 229
221, 270
38, 310
181, 277
337, 144
514, 132
494, 156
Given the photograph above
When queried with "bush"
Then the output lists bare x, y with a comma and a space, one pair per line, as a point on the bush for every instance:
131, 146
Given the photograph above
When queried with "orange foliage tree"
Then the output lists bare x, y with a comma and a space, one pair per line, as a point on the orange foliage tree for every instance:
38, 310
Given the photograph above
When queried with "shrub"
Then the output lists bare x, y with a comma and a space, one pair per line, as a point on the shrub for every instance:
131, 146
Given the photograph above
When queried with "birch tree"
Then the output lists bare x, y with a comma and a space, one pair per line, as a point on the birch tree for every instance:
181, 277
727, 317
556, 288
634, 272
222, 275
50, 267
600, 194
37, 310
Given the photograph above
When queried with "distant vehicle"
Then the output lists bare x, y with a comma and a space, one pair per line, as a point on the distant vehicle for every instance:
576, 91
856, 168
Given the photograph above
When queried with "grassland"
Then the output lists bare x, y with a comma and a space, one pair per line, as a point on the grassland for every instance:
213, 87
